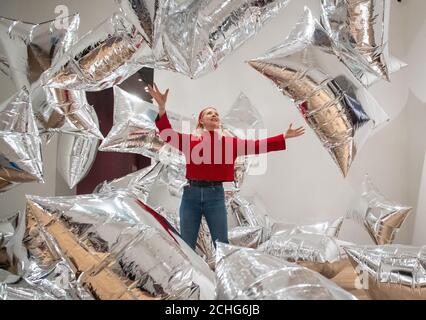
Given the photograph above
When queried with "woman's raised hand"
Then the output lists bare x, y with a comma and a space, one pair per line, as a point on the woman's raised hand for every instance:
160, 98
293, 133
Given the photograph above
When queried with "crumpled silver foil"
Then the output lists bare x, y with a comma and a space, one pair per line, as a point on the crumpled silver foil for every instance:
390, 272
20, 144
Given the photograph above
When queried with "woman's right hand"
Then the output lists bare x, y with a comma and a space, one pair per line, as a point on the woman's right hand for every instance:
160, 98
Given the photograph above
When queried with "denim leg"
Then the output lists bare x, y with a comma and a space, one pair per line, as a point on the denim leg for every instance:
190, 213
215, 212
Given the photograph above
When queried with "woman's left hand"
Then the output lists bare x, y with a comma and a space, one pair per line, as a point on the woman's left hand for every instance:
293, 133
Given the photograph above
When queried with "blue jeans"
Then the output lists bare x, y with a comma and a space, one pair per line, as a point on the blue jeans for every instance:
207, 201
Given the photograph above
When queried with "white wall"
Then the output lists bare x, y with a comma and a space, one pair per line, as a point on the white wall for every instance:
302, 184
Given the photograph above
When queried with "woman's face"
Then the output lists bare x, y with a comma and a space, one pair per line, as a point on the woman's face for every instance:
210, 119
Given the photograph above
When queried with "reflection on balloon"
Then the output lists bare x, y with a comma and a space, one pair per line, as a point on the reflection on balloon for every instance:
340, 111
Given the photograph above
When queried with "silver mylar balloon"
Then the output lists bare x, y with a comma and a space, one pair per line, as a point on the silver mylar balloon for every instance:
248, 237
125, 249
20, 144
317, 252
126, 182
105, 56
329, 228
381, 217
247, 274
76, 155
29, 50
245, 213
65, 111
198, 35
340, 111
132, 114
361, 30
390, 272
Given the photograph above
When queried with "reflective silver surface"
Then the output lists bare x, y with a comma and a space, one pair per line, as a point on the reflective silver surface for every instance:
318, 252
248, 274
75, 157
123, 247
335, 105
198, 35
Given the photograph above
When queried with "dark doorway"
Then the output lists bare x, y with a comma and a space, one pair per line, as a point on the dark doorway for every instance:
113, 165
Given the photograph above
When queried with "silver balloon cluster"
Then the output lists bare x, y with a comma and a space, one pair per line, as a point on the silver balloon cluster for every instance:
313, 246
390, 272
247, 274
28, 50
197, 35
124, 249
361, 31
381, 217
190, 37
335, 105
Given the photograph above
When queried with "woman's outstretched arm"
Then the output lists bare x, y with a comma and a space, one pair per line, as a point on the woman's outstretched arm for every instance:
167, 133
276, 143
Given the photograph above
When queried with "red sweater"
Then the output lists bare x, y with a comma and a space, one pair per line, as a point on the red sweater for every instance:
211, 157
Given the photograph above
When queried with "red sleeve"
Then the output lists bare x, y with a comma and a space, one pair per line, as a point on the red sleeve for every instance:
250, 147
168, 134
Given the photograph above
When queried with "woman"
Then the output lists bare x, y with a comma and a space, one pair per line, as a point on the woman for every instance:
210, 158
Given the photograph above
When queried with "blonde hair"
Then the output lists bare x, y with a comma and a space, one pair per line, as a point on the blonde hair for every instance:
200, 127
